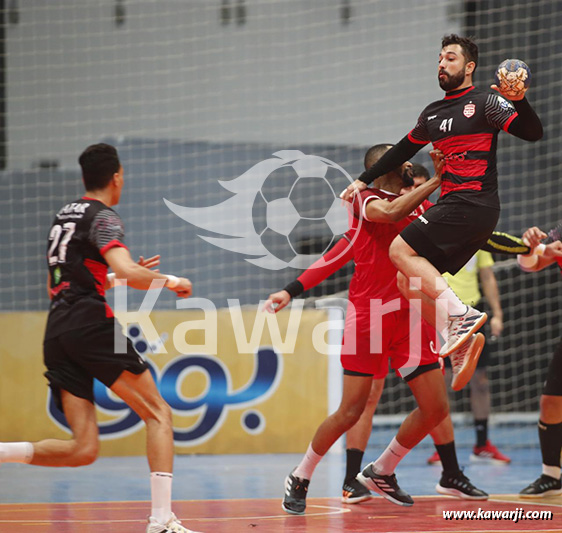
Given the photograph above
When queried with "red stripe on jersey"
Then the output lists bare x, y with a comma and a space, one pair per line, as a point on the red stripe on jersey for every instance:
469, 168
458, 143
449, 186
416, 141
509, 121
99, 271
460, 94
112, 244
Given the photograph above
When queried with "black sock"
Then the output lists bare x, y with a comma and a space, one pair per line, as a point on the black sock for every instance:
481, 427
448, 456
353, 465
550, 437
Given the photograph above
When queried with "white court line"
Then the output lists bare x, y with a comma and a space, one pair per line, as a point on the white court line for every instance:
333, 511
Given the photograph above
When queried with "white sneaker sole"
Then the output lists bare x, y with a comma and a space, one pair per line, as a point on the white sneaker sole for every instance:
353, 501
461, 379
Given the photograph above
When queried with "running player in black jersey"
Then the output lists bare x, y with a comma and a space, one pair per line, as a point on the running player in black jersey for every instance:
82, 337
464, 126
550, 421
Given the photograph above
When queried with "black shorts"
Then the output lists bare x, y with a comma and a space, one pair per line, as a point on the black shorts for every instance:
76, 357
450, 233
553, 383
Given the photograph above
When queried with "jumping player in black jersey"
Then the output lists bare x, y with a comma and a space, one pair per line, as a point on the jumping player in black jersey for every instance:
550, 421
82, 336
464, 126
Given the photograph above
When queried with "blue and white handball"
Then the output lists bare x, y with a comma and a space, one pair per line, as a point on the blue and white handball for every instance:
513, 77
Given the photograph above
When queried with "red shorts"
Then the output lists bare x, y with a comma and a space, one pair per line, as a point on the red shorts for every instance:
371, 340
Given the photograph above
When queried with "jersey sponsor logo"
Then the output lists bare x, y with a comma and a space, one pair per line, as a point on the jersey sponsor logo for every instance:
456, 157
505, 104
469, 110
431, 117
432, 347
421, 218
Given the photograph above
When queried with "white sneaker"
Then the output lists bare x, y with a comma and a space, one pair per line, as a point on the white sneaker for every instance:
465, 359
461, 328
172, 526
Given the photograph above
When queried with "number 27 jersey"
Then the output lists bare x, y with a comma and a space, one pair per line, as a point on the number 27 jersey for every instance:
79, 236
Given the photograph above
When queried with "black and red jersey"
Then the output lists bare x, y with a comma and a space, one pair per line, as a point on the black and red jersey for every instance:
81, 233
465, 126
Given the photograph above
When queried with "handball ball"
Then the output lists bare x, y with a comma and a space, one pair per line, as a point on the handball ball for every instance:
513, 77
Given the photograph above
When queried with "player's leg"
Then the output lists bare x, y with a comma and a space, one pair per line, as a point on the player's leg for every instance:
356, 442
356, 389
453, 482
81, 449
428, 387
550, 433
480, 402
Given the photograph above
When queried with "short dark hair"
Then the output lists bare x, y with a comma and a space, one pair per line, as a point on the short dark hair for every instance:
99, 163
418, 170
468, 46
375, 153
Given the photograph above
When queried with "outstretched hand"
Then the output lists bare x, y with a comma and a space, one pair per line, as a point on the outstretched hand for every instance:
277, 301
150, 263
533, 236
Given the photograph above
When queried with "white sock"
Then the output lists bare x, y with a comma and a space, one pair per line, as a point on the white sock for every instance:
16, 452
454, 305
552, 471
308, 464
161, 489
389, 459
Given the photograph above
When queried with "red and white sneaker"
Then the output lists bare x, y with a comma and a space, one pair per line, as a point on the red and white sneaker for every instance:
489, 454
464, 361
434, 459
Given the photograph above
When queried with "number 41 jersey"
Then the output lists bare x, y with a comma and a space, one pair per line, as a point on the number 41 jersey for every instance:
79, 236
464, 126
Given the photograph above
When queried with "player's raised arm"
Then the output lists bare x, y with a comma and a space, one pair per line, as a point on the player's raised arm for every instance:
380, 210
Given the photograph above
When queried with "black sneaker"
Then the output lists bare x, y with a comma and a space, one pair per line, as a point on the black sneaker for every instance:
294, 501
386, 486
458, 485
544, 486
354, 492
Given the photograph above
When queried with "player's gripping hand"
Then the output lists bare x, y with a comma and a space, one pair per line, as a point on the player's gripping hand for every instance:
352, 189
438, 158
519, 96
533, 237
277, 301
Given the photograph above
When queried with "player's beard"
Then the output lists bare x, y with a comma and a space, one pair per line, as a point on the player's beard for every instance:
450, 83
407, 178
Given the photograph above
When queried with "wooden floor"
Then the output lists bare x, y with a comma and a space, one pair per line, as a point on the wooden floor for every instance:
323, 515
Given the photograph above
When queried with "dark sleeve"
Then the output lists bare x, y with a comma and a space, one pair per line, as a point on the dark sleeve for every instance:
503, 243
397, 155
517, 118
527, 125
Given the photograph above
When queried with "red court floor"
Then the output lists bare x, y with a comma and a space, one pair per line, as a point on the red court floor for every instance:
265, 515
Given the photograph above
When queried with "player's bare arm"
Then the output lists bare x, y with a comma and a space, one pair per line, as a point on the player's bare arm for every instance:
140, 277
391, 212
149, 263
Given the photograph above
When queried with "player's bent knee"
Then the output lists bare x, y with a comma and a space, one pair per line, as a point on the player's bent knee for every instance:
84, 454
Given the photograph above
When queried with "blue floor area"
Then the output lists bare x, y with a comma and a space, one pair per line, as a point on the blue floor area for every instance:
261, 476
